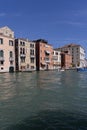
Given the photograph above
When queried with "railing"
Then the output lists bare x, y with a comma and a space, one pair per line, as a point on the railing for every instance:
32, 56
47, 61
1, 58
11, 59
22, 55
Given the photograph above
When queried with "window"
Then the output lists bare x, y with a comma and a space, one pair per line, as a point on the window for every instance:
20, 50
11, 62
22, 43
23, 50
32, 60
22, 59
1, 53
56, 53
22, 67
32, 45
10, 43
1, 41
1, 62
11, 54
31, 52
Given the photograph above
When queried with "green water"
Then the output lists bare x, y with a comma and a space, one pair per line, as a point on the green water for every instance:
46, 100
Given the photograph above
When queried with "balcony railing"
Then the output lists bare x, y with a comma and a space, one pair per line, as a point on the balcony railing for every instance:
47, 61
32, 56
1, 58
22, 55
11, 59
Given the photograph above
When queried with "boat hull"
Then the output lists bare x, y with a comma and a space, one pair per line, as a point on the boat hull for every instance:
81, 69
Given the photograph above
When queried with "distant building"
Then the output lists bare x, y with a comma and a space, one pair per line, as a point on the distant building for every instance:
77, 52
31, 53
85, 62
44, 55
25, 55
7, 53
56, 59
66, 60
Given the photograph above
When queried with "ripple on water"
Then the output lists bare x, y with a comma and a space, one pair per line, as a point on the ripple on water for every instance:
43, 100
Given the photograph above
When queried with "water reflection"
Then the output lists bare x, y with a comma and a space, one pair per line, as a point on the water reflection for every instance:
43, 100
11, 85
7, 89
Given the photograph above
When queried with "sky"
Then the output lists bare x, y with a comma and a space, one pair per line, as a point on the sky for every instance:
59, 22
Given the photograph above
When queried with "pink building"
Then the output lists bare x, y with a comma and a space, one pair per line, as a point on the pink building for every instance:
44, 55
7, 53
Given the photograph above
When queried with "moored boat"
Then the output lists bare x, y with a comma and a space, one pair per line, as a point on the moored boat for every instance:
82, 69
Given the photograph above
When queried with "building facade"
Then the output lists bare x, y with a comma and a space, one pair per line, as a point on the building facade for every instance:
44, 55
66, 60
31, 55
56, 59
78, 54
7, 52
25, 55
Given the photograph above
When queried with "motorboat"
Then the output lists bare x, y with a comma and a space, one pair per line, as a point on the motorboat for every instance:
82, 69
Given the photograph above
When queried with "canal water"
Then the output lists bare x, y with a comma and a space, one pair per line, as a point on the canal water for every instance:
46, 100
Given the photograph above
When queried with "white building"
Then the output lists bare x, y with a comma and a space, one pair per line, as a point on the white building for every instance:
25, 55
7, 52
56, 59
78, 54
6, 32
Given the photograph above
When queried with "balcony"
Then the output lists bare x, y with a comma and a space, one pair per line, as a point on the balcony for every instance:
1, 58
47, 61
32, 56
22, 55
55, 58
11, 59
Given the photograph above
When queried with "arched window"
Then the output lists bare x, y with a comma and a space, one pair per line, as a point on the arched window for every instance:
1, 53
11, 54
20, 50
23, 50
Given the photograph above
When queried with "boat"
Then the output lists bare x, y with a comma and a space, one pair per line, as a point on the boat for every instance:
82, 69
61, 69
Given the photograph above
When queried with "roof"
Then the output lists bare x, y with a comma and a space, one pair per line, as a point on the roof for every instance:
23, 39
41, 40
6, 27
70, 45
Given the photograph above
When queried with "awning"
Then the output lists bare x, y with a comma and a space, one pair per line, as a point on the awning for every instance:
43, 63
48, 52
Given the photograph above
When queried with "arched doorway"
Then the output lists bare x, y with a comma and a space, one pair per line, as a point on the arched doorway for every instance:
11, 69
